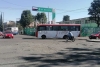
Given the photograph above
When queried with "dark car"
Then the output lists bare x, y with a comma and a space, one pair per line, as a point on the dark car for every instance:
95, 36
8, 35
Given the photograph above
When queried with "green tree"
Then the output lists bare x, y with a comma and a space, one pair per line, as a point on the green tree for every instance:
34, 17
41, 17
94, 11
19, 26
66, 18
26, 18
38, 17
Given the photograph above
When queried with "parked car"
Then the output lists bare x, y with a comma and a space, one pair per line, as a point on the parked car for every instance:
1, 34
8, 35
95, 36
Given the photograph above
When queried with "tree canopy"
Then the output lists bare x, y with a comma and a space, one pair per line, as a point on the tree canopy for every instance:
19, 26
94, 11
41, 17
26, 18
66, 18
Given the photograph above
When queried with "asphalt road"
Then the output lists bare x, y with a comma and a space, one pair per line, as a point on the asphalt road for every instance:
28, 51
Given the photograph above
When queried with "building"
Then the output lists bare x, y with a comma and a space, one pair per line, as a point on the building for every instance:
5, 24
77, 21
11, 22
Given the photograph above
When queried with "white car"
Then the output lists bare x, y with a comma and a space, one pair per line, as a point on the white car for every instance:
1, 34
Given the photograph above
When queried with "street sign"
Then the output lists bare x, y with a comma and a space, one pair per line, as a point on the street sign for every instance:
42, 9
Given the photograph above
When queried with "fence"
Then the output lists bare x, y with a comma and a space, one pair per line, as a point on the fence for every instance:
88, 29
29, 31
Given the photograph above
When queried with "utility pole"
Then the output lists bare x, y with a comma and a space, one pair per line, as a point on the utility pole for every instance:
3, 21
53, 16
48, 15
2, 15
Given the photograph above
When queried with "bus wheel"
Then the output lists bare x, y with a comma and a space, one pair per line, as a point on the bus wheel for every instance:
64, 37
43, 37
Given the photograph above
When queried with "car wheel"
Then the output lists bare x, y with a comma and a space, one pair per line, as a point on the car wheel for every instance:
97, 38
90, 38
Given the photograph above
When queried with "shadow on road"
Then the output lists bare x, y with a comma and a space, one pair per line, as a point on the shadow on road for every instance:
42, 39
28, 38
69, 56
5, 38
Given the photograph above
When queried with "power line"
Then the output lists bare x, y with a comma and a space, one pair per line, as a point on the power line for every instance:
75, 12
13, 3
9, 8
35, 6
72, 10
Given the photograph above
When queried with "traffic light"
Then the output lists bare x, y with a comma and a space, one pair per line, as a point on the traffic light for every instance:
35, 8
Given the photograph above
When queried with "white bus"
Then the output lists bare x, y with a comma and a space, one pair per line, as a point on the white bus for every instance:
57, 30
14, 30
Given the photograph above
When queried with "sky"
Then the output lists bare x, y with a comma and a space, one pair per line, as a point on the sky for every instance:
12, 9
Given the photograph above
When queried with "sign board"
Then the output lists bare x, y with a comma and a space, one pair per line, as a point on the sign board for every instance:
42, 9
35, 8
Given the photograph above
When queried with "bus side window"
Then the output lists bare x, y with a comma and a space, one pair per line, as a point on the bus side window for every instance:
72, 28
41, 28
50, 28
63, 28
55, 28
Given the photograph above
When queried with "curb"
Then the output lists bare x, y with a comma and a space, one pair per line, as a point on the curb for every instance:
93, 40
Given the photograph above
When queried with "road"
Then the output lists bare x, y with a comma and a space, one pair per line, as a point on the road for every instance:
28, 51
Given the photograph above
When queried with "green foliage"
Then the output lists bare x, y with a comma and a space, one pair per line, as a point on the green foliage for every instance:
34, 17
26, 18
19, 26
38, 17
94, 11
66, 18
41, 17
